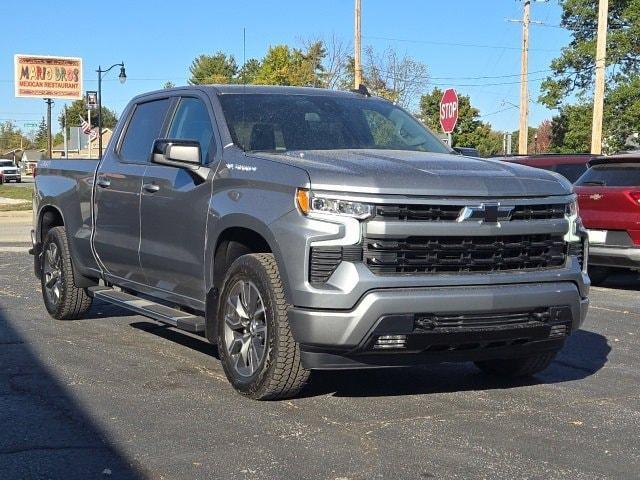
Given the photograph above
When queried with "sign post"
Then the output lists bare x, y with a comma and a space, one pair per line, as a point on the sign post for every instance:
92, 103
449, 112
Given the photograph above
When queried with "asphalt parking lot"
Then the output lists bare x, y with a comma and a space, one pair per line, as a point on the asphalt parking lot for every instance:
120, 396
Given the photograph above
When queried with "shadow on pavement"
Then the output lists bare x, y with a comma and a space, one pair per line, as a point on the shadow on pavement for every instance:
193, 341
623, 280
583, 355
44, 433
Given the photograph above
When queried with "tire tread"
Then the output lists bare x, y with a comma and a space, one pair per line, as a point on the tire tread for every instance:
75, 302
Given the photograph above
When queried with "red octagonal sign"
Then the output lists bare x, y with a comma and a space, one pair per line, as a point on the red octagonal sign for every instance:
449, 110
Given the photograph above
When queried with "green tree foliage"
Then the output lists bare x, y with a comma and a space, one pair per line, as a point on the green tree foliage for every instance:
40, 139
574, 70
470, 130
168, 84
248, 72
291, 66
571, 129
11, 137
79, 109
216, 68
531, 137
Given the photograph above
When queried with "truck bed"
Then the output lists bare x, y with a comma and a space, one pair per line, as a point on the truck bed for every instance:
66, 184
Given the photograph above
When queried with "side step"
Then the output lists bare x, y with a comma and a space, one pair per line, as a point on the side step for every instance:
161, 313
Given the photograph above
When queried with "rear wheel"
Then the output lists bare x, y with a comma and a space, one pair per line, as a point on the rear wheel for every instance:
598, 274
517, 367
62, 299
258, 353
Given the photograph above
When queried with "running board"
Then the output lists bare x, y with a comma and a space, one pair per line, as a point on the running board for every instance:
161, 313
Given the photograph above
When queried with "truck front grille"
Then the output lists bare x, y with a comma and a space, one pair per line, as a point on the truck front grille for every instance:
427, 255
450, 213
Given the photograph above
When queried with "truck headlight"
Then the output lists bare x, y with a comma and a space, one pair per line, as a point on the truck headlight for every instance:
572, 209
309, 203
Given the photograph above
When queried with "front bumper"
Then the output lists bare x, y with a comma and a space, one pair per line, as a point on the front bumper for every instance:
10, 177
620, 257
343, 338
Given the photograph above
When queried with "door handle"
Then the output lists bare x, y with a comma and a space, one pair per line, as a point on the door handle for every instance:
151, 187
103, 182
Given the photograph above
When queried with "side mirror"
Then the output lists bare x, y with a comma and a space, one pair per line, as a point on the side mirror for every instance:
180, 154
176, 151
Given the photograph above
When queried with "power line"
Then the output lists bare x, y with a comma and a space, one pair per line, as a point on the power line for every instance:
452, 44
490, 76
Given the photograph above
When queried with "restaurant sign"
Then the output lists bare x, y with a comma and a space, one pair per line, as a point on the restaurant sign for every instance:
48, 77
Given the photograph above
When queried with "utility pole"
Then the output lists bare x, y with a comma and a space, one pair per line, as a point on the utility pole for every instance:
66, 142
524, 73
357, 43
49, 102
598, 96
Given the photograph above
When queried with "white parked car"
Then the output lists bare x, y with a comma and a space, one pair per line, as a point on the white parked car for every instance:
9, 172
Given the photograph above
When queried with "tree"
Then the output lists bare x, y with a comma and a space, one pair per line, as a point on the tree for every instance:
334, 62
470, 131
543, 145
573, 71
41, 138
168, 84
248, 72
531, 140
396, 77
11, 137
291, 66
571, 129
79, 109
210, 69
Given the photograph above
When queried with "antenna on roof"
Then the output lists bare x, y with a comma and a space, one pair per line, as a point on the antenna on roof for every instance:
362, 90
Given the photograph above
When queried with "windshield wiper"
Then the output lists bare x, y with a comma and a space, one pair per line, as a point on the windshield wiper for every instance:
598, 183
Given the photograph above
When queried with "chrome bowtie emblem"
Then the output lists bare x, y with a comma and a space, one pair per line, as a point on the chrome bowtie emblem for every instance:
486, 213
595, 196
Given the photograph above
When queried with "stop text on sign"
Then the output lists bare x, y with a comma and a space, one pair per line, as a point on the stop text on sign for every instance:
449, 110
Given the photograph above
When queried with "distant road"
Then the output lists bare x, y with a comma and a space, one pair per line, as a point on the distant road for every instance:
15, 231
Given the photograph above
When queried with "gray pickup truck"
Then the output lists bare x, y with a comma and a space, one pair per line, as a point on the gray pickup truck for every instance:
303, 229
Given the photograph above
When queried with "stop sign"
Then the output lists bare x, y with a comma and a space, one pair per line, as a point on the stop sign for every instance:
449, 110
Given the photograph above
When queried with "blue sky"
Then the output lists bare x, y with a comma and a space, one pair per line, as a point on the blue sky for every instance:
458, 40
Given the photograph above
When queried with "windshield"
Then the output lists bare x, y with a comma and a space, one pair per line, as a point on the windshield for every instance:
280, 122
612, 175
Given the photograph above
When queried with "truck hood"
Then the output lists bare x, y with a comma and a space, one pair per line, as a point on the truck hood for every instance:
402, 172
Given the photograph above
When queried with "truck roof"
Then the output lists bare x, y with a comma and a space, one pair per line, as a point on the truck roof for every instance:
259, 89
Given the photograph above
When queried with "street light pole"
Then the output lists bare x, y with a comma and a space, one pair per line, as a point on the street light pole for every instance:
123, 78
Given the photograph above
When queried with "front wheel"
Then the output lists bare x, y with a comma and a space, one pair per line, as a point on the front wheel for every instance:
258, 353
517, 367
62, 299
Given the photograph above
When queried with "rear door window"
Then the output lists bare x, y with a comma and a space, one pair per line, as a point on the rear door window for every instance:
144, 128
613, 175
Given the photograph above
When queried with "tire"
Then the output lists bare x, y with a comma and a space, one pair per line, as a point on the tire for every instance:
517, 367
252, 310
62, 299
598, 275
19, 180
